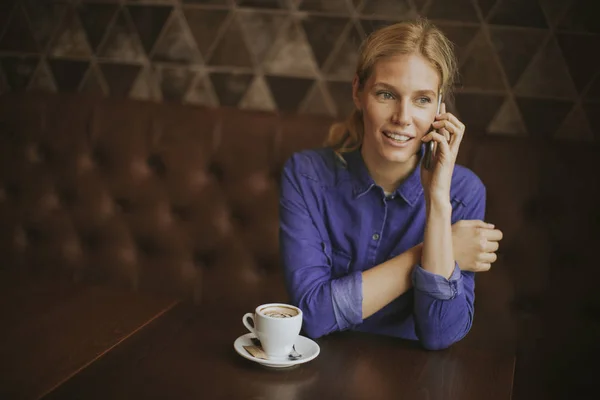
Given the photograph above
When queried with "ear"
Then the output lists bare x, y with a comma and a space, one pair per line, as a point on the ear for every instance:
356, 92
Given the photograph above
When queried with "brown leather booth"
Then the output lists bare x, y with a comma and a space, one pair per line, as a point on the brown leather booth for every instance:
118, 208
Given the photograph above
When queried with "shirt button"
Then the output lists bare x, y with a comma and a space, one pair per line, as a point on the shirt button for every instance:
376, 236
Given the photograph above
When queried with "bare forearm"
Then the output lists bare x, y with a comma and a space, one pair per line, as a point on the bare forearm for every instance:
386, 281
437, 256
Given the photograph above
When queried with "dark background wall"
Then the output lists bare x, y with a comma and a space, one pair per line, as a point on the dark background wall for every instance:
528, 67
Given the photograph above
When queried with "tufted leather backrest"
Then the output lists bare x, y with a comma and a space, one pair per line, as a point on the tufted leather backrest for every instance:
154, 197
184, 199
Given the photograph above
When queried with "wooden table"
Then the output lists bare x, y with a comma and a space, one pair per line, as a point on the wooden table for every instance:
188, 354
50, 329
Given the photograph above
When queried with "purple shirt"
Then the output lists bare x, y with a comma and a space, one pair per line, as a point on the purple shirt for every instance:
335, 222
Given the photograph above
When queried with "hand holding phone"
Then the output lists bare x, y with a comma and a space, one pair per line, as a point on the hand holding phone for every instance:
429, 148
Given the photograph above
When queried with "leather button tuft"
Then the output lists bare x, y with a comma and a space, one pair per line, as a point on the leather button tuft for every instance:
91, 240
180, 212
124, 205
238, 218
68, 197
147, 246
217, 171
206, 259
100, 156
34, 235
157, 165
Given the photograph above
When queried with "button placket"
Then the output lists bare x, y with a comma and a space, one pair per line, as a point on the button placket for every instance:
378, 226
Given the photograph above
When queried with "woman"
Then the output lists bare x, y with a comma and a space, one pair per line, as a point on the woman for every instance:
366, 233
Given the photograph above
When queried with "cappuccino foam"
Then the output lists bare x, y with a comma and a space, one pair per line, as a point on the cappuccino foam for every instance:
279, 312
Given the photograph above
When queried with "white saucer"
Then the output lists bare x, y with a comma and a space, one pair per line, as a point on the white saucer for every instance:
305, 346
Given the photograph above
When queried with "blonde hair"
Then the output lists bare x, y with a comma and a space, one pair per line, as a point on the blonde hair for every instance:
414, 37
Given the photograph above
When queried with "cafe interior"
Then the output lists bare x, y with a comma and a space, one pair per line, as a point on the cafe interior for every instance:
141, 147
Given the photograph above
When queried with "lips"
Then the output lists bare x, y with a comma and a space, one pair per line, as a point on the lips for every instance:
398, 139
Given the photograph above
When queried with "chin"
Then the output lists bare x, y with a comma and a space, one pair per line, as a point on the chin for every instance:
398, 155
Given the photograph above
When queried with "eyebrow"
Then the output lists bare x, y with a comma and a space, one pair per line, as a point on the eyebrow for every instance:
393, 89
385, 86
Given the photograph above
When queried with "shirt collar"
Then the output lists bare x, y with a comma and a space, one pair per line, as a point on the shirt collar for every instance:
361, 180
410, 189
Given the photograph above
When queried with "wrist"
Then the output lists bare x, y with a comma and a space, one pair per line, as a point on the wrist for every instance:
438, 200
437, 191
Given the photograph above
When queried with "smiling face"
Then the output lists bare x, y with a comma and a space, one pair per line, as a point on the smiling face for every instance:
398, 102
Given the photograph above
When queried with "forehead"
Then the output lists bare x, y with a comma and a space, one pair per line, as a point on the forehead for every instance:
407, 72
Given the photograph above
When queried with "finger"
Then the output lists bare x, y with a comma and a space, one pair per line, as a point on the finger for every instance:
452, 118
493, 234
492, 247
442, 143
482, 224
488, 258
455, 140
442, 148
448, 125
482, 266
456, 133
476, 223
445, 133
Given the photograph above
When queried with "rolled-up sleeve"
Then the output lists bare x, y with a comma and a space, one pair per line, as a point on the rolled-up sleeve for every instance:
347, 300
328, 304
436, 285
444, 308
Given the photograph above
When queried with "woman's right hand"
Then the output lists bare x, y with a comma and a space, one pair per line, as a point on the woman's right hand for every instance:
475, 244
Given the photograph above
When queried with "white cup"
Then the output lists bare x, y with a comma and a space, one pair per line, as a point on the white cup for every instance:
277, 326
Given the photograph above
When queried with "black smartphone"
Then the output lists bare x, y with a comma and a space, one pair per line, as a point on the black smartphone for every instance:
428, 161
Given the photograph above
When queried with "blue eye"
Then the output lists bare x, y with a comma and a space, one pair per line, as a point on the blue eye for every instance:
424, 100
385, 95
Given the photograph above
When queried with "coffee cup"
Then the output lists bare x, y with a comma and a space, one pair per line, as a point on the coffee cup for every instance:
276, 325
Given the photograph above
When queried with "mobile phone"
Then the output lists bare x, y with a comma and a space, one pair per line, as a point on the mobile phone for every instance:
428, 161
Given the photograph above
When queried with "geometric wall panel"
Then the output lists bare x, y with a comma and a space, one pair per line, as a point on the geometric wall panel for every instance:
524, 64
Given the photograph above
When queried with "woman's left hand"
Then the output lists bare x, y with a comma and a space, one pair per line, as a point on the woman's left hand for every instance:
436, 181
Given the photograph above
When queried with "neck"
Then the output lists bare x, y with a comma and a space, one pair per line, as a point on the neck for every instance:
389, 175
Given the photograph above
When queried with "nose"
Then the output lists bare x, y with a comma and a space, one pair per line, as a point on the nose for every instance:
401, 113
